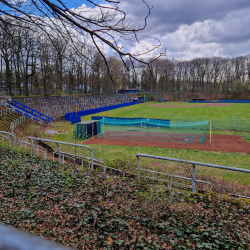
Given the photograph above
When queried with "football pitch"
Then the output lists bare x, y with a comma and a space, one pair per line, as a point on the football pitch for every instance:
166, 112
124, 157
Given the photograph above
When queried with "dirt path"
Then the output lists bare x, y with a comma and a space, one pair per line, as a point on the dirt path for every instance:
194, 106
221, 143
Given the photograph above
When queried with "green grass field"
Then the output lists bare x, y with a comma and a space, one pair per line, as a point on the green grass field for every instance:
164, 112
124, 157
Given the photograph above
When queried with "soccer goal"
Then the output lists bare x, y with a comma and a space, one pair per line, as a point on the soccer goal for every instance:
152, 130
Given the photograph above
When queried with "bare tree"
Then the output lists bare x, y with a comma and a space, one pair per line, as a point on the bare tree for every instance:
6, 48
103, 23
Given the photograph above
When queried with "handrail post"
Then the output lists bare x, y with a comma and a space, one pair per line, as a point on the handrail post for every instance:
92, 153
104, 168
59, 153
193, 178
14, 141
138, 168
44, 154
31, 145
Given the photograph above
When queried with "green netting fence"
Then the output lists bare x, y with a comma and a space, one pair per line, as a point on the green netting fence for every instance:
152, 130
233, 123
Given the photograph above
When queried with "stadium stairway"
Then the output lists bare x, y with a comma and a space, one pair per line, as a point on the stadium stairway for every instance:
113, 99
82, 101
29, 112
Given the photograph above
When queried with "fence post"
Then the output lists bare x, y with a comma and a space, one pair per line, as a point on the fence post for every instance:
14, 141
193, 178
59, 153
138, 168
104, 169
92, 167
44, 154
31, 145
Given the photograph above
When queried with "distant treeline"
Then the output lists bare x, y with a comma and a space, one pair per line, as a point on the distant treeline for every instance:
36, 60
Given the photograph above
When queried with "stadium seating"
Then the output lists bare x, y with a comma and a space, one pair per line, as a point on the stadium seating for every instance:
21, 129
58, 106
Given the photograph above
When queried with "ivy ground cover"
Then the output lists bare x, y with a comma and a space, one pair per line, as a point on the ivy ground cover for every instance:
89, 210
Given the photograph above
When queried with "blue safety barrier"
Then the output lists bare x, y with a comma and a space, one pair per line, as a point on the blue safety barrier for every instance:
26, 115
75, 119
38, 115
132, 91
98, 110
235, 101
127, 91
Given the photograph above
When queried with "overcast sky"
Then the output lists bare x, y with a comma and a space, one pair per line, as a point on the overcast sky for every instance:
193, 28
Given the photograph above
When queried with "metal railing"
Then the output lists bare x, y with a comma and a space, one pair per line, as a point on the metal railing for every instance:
4, 112
193, 163
16, 122
25, 113
29, 111
15, 141
7, 138
59, 143
10, 136
21, 143
97, 161
82, 158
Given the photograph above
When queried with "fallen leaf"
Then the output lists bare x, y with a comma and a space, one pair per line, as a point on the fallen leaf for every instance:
110, 241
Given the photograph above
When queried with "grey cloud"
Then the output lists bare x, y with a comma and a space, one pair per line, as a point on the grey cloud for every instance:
196, 28
232, 29
173, 13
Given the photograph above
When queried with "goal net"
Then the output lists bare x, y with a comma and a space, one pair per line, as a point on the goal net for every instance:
151, 130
